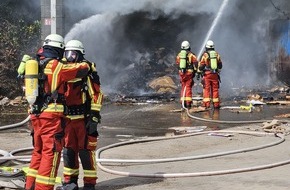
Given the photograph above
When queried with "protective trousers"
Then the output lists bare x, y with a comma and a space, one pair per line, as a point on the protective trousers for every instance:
211, 90
186, 80
48, 143
79, 144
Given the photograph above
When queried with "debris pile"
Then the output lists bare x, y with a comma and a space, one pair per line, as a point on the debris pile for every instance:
163, 84
276, 126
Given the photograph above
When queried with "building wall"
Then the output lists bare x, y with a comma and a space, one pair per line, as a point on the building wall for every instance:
279, 49
47, 21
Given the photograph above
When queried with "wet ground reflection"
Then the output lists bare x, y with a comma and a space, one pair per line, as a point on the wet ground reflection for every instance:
125, 122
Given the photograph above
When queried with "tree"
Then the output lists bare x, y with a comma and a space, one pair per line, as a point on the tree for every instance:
19, 34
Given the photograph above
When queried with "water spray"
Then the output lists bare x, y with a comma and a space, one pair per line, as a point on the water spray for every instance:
216, 20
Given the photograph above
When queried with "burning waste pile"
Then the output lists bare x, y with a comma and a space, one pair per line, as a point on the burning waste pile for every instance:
153, 73
135, 44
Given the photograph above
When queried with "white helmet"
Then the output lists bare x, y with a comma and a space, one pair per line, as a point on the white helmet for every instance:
185, 45
209, 44
75, 45
54, 40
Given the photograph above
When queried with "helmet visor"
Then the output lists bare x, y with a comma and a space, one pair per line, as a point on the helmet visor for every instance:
71, 55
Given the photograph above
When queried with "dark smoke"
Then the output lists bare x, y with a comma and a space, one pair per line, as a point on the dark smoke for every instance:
125, 33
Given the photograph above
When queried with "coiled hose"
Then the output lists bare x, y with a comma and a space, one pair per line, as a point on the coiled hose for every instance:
193, 174
170, 175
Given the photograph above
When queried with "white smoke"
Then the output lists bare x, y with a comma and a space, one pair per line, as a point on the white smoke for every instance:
238, 35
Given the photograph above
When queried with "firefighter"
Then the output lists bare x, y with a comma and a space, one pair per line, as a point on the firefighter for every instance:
84, 101
210, 65
187, 64
47, 112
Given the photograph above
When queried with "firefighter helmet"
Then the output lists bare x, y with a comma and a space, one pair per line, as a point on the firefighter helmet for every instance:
54, 40
185, 45
75, 45
209, 44
74, 51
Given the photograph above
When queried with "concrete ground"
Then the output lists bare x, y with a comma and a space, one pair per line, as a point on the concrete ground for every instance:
127, 122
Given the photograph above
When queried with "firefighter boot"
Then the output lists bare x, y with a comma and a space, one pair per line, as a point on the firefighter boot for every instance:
70, 186
89, 186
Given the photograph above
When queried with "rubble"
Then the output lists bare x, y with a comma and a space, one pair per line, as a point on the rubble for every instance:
276, 126
19, 100
163, 84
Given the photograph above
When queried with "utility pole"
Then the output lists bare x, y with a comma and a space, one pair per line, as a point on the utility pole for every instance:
52, 18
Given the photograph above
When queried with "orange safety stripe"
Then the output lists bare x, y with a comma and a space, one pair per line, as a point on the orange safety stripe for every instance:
54, 108
84, 97
55, 75
100, 98
73, 117
206, 99
31, 172
96, 107
93, 143
215, 100
70, 171
54, 164
186, 98
70, 66
90, 86
47, 71
45, 180
90, 173
98, 104
74, 80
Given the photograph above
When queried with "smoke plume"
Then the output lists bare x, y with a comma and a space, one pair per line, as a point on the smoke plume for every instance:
124, 33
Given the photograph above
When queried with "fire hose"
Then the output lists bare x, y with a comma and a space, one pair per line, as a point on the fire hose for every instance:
193, 174
170, 175
15, 124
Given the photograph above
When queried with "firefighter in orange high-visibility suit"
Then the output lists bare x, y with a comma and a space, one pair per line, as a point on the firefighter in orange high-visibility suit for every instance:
47, 113
210, 65
187, 64
84, 100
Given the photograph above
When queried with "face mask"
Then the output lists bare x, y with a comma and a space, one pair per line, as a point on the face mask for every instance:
71, 55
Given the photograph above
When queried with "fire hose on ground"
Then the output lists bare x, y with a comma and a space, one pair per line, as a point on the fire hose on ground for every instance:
100, 160
194, 174
15, 124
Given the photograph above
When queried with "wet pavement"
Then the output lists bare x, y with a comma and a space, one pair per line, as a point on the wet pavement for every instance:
138, 121
135, 121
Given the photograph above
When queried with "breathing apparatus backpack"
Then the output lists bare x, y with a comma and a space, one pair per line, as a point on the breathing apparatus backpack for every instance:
183, 60
31, 81
34, 84
213, 63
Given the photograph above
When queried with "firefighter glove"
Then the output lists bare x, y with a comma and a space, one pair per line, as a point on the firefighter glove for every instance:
92, 127
92, 124
95, 116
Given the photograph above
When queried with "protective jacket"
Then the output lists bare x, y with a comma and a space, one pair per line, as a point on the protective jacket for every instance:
186, 77
210, 65
84, 100
48, 123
